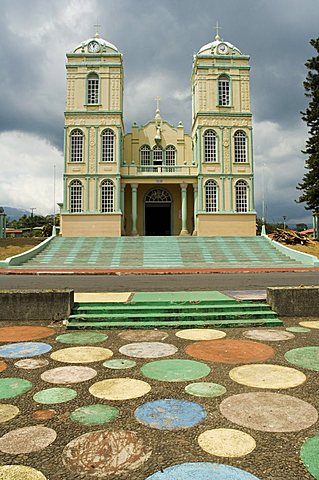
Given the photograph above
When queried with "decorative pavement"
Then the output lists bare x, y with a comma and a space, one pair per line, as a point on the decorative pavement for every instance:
203, 404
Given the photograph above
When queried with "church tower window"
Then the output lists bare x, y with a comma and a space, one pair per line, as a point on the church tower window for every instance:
77, 145
93, 88
240, 147
170, 157
210, 146
223, 91
76, 196
241, 196
107, 196
211, 196
108, 145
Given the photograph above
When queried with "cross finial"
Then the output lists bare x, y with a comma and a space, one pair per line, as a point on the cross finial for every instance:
97, 26
157, 102
217, 37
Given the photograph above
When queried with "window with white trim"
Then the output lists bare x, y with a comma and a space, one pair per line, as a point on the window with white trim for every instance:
241, 196
93, 88
240, 144
145, 156
211, 196
157, 155
107, 196
210, 151
107, 145
170, 158
77, 145
76, 196
223, 91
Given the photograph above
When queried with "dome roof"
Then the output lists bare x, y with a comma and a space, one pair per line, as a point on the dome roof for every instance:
105, 46
211, 48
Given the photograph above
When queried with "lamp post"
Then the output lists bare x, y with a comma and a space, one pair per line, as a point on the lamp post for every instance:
284, 217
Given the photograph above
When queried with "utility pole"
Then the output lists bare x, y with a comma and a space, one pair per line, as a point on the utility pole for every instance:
32, 209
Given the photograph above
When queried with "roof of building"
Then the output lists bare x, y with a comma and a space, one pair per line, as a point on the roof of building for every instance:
212, 46
105, 45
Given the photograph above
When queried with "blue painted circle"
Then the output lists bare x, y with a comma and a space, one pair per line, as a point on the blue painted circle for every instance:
170, 414
202, 471
24, 349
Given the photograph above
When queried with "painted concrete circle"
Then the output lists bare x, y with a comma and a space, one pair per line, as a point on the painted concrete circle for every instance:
205, 389
81, 354
310, 324
67, 375
143, 335
267, 376
309, 454
269, 412
226, 442
298, 329
200, 334
24, 333
13, 387
119, 363
94, 414
55, 395
27, 440
105, 453
175, 370
170, 414
119, 389
230, 351
31, 363
20, 472
304, 357
148, 350
8, 412
46, 414
24, 349
201, 471
3, 366
269, 335
82, 338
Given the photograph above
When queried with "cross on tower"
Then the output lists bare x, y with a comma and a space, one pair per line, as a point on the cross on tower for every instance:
97, 26
157, 102
217, 37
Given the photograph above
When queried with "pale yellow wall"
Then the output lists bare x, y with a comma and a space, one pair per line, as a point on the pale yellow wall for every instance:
209, 224
81, 225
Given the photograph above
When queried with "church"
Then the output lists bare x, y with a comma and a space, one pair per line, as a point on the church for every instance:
157, 179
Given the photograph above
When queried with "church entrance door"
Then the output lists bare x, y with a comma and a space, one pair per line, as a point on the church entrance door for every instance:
157, 217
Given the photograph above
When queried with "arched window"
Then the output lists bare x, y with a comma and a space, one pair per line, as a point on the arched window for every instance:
240, 141
93, 88
107, 196
145, 158
210, 151
157, 155
108, 145
241, 196
76, 196
223, 91
211, 196
170, 158
77, 145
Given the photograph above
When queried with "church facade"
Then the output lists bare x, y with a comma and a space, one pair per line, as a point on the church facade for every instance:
158, 179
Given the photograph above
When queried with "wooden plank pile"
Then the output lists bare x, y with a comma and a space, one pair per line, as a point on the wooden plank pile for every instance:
290, 237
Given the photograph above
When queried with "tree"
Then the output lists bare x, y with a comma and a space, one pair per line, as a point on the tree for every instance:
310, 181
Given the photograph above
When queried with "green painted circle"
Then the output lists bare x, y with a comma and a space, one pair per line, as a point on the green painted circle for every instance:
309, 454
175, 370
304, 357
94, 414
298, 329
81, 338
119, 363
55, 395
205, 389
13, 387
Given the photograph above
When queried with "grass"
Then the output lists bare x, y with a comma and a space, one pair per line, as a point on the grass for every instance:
13, 246
312, 248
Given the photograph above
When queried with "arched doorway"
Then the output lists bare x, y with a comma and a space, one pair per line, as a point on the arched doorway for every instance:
157, 216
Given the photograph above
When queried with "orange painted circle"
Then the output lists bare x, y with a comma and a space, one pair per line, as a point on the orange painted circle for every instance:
24, 333
3, 366
44, 414
230, 351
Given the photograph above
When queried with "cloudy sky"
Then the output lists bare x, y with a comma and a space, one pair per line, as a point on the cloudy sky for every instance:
158, 39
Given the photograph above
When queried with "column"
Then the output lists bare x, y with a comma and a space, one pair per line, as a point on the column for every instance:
134, 187
184, 230
195, 188
1, 225
123, 207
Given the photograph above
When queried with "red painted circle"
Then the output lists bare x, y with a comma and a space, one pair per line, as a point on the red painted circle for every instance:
24, 333
230, 351
3, 366
43, 414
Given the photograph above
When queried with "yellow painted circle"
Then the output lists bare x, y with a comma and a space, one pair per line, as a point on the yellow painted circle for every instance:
310, 324
226, 442
8, 412
119, 389
81, 354
200, 334
267, 376
20, 472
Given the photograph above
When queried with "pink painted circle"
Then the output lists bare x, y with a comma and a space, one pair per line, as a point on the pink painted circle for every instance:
31, 363
27, 440
143, 335
104, 452
148, 350
67, 375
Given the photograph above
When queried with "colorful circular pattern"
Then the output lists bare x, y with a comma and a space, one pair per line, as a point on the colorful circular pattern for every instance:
24, 349
170, 414
81, 354
148, 350
82, 338
27, 440
205, 389
230, 351
119, 389
200, 334
226, 442
55, 395
24, 333
143, 335
94, 414
310, 455
31, 363
269, 412
13, 387
119, 363
310, 324
304, 357
201, 471
298, 329
67, 375
8, 412
3, 366
175, 370
102, 453
268, 335
267, 376
20, 472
